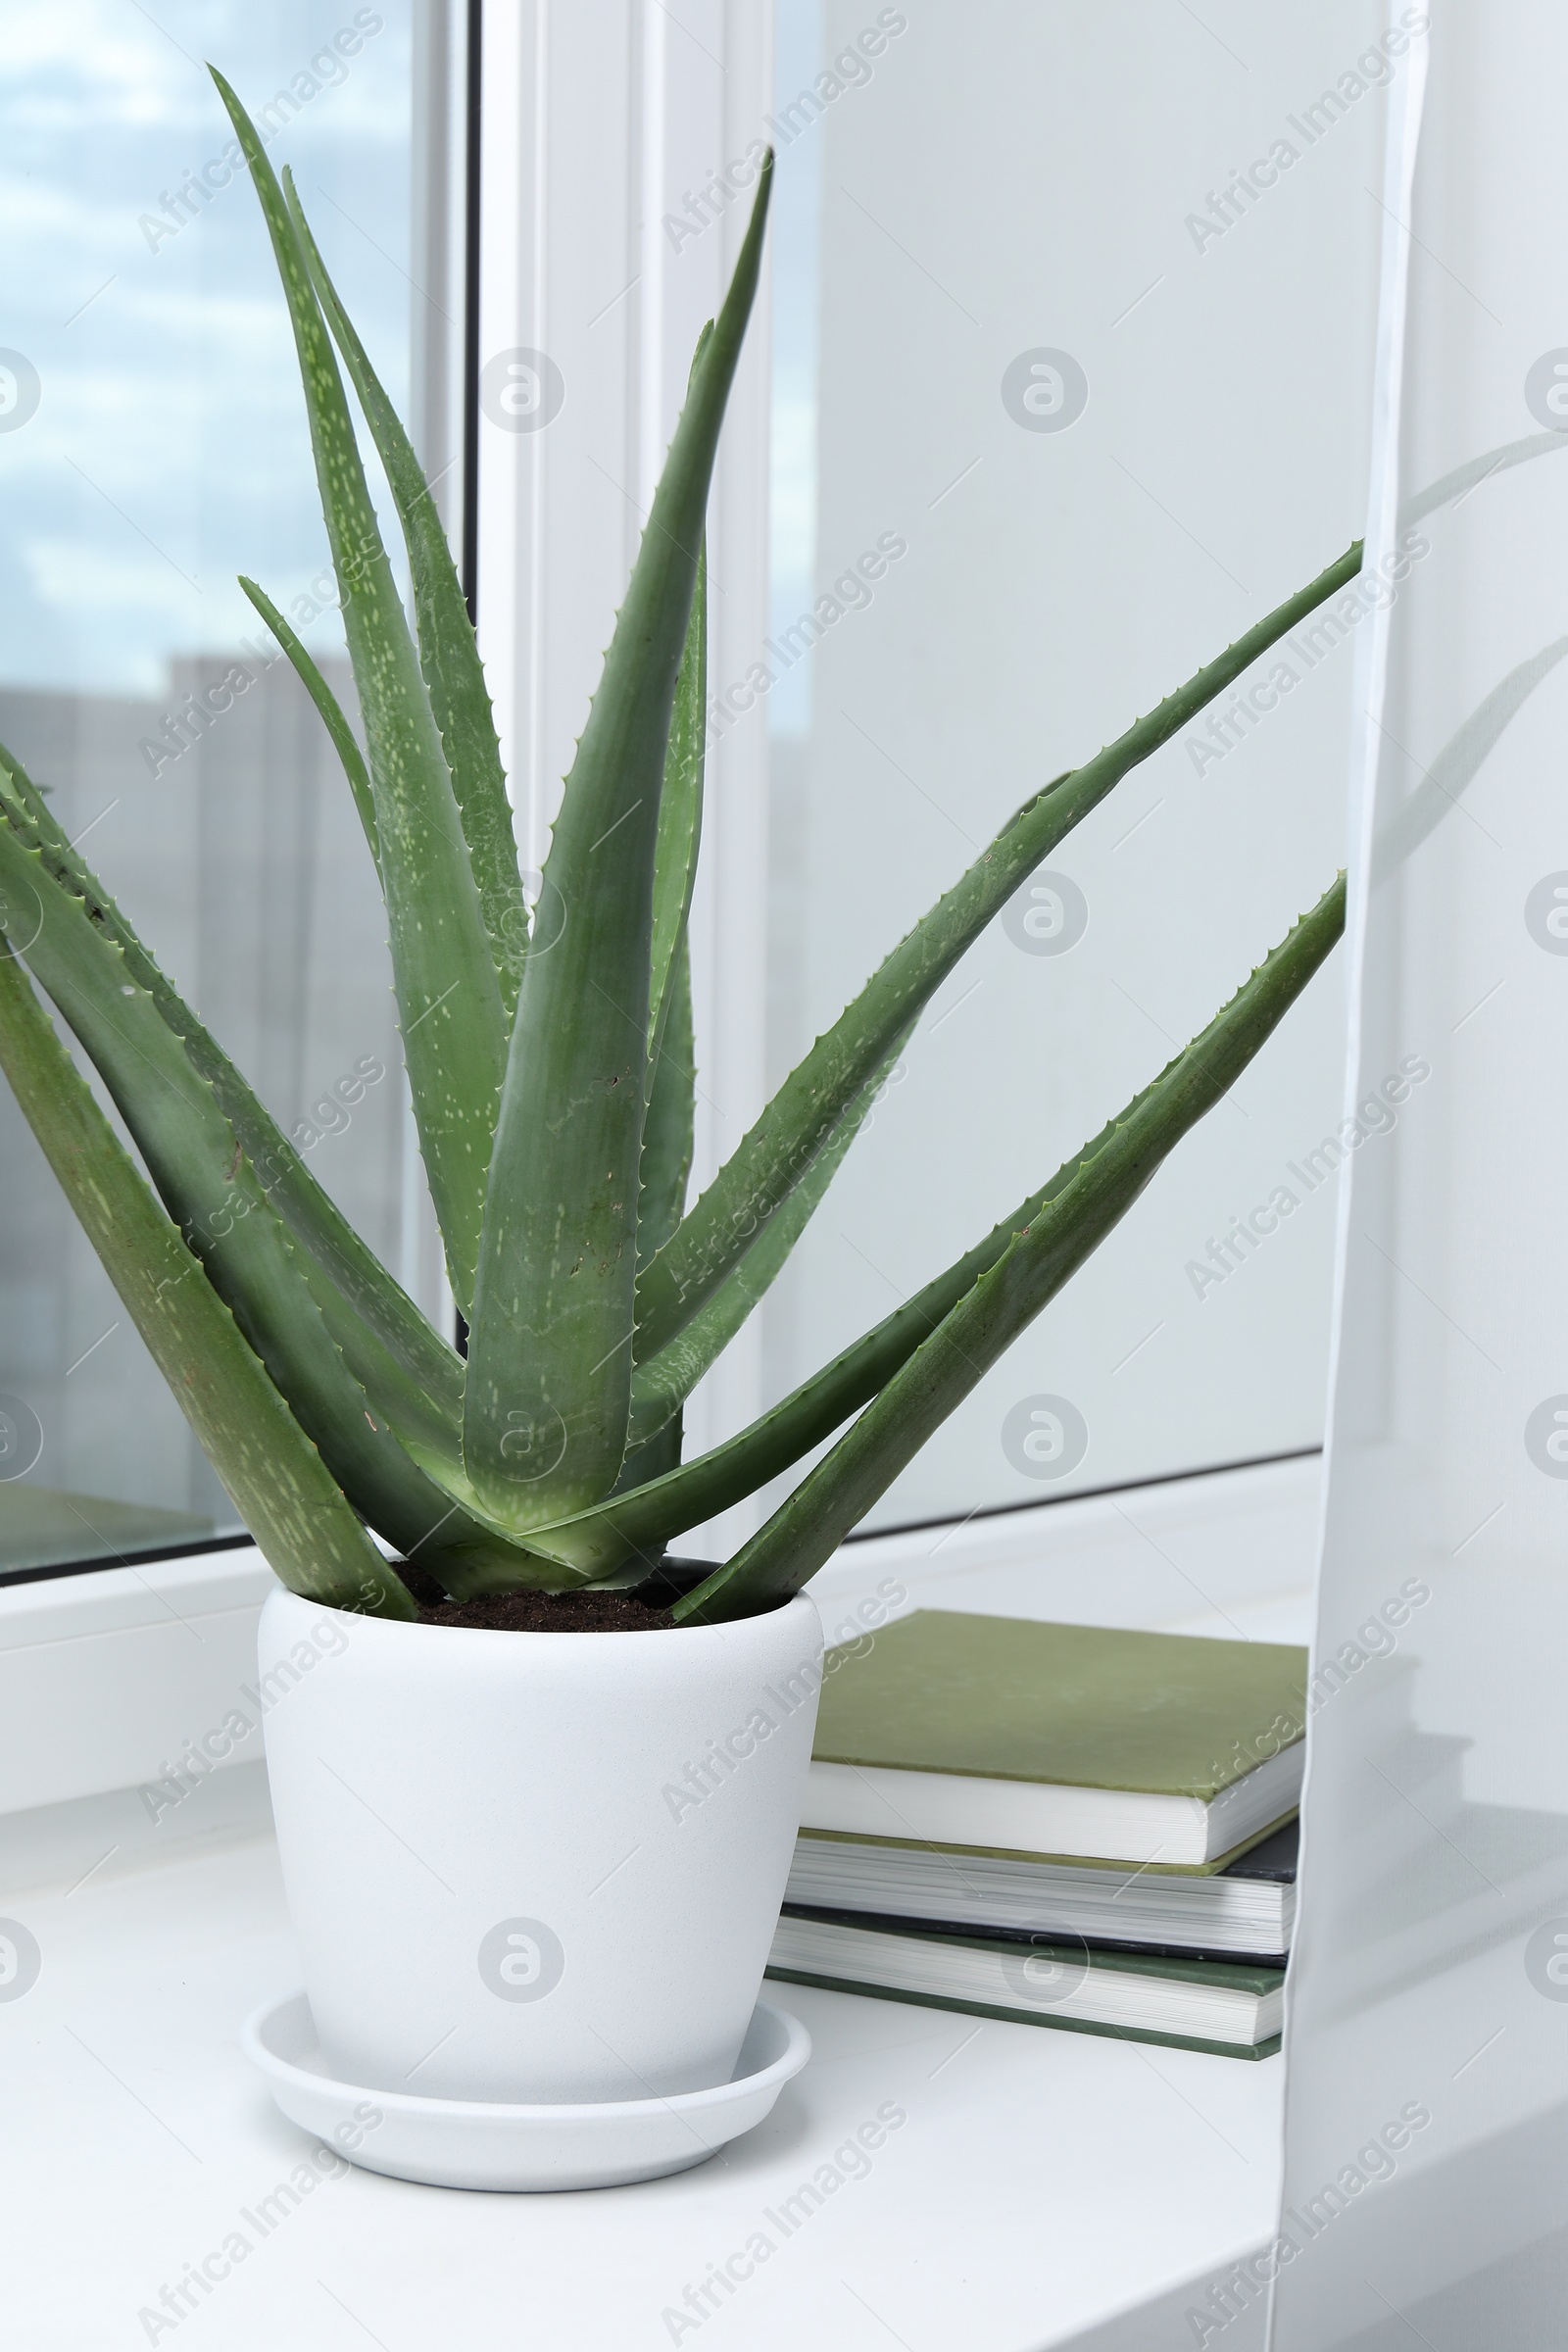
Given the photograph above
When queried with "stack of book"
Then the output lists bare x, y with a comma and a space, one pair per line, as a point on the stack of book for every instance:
1067, 1825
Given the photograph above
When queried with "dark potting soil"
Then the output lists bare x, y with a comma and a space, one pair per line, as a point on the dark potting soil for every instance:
550, 1613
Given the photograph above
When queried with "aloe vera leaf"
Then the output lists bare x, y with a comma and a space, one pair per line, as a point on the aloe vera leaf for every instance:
681, 819
772, 1158
409, 1410
680, 801
447, 655
276, 1479
330, 708
489, 1558
422, 1357
660, 1386
665, 1167
808, 1528
655, 1446
640, 1517
655, 1455
214, 1195
668, 1125
449, 1000
550, 1355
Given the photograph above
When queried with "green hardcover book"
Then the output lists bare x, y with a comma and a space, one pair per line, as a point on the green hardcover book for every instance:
1221, 2007
1005, 1734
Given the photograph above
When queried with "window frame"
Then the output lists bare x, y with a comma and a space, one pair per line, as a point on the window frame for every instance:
508, 204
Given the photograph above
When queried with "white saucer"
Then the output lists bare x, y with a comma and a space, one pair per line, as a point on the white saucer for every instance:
469, 2143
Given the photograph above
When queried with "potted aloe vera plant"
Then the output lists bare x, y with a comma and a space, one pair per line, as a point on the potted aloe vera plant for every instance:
497, 1896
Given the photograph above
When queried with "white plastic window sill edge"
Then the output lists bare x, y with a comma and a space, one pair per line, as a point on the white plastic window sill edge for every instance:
115, 1680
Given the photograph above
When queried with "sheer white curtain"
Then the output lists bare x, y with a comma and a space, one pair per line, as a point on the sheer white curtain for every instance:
1427, 2123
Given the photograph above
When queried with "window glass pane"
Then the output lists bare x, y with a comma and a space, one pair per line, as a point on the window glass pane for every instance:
153, 447
1061, 408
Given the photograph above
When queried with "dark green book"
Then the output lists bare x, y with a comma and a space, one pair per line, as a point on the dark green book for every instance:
1222, 2007
1010, 1736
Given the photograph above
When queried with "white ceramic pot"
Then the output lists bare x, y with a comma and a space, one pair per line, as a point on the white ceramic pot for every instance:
535, 1868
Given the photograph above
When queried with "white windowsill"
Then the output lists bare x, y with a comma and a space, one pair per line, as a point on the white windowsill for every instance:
1046, 2186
